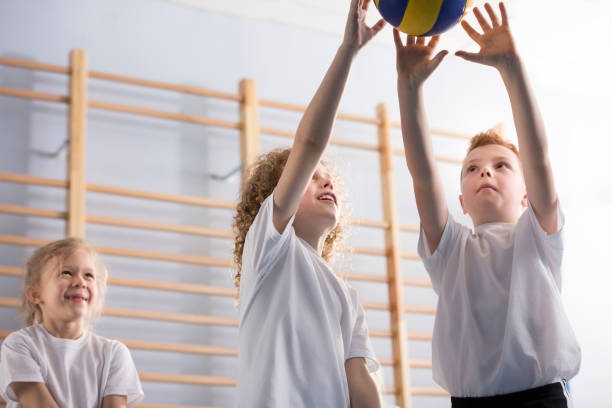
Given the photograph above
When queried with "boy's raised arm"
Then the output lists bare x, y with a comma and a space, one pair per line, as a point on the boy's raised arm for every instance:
414, 65
315, 126
497, 50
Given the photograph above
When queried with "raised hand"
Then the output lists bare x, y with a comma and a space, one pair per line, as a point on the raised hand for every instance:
414, 60
496, 44
357, 33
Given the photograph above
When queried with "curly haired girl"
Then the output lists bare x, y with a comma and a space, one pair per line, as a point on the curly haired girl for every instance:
303, 338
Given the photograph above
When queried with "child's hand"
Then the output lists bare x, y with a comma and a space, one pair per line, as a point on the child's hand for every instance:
357, 33
414, 62
496, 43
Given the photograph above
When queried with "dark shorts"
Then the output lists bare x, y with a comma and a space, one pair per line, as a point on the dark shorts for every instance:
547, 396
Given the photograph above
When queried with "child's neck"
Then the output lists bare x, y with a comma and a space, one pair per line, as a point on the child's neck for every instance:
64, 329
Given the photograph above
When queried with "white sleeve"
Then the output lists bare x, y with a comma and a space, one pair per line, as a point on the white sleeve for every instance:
435, 263
361, 346
263, 241
18, 363
552, 245
123, 377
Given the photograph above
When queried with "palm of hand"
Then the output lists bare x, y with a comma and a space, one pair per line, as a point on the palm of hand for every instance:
496, 45
413, 62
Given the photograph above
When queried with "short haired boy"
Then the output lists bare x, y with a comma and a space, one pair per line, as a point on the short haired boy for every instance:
501, 336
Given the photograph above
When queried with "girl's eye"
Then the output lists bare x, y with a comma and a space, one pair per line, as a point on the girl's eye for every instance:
66, 273
89, 275
502, 165
471, 169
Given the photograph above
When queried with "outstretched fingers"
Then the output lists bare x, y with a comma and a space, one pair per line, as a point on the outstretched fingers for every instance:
504, 14
474, 35
433, 42
484, 24
492, 15
397, 39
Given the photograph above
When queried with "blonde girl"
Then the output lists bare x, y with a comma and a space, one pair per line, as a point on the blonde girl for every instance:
56, 361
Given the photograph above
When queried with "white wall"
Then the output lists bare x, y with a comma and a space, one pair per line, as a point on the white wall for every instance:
161, 41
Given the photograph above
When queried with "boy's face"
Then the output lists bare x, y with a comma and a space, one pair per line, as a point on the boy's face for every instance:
319, 205
492, 185
67, 294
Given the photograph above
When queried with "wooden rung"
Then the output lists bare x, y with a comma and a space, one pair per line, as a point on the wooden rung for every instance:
420, 364
128, 253
410, 255
156, 226
173, 287
163, 85
438, 132
369, 251
425, 283
429, 391
26, 94
419, 336
171, 198
420, 309
181, 348
181, 117
171, 317
148, 284
409, 228
96, 188
11, 271
38, 181
363, 277
407, 308
299, 108
337, 142
34, 212
149, 315
360, 222
19, 63
447, 159
163, 256
118, 222
188, 379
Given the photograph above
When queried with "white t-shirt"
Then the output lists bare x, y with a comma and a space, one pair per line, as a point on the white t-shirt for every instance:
79, 373
500, 325
298, 323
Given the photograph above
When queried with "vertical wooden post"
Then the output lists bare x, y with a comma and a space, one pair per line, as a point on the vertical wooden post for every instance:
394, 263
75, 226
249, 120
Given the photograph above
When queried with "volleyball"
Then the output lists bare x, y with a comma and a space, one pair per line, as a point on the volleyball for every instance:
422, 17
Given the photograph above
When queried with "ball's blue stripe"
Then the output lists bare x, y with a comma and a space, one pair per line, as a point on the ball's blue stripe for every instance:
392, 10
450, 14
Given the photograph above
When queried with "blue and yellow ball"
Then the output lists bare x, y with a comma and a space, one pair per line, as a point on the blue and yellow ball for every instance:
422, 17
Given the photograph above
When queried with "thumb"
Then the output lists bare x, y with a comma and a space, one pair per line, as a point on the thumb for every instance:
438, 59
469, 56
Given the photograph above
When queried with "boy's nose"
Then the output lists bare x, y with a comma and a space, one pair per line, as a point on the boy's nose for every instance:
485, 172
78, 281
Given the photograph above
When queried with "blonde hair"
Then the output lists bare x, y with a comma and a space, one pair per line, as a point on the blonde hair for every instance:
58, 252
263, 176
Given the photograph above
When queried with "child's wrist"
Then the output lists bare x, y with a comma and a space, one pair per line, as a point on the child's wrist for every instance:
406, 84
510, 64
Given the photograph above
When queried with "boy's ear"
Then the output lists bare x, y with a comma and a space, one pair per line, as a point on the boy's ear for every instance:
32, 295
461, 201
524, 201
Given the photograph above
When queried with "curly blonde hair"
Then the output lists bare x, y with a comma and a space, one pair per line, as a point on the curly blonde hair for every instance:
263, 176
58, 252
